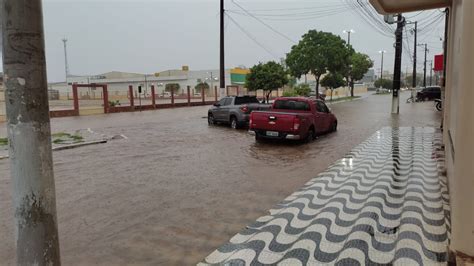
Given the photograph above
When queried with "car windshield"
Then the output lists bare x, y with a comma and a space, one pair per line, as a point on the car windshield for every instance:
244, 100
291, 105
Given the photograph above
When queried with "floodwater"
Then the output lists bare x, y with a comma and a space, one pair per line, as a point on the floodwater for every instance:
177, 189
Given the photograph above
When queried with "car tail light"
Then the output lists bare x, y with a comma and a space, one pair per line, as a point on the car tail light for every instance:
251, 121
296, 123
244, 108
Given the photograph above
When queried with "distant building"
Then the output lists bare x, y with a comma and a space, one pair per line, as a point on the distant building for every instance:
118, 82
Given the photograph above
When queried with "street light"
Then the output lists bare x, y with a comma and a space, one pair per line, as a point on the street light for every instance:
211, 79
381, 64
348, 35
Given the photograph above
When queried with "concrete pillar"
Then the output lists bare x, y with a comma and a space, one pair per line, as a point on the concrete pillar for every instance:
215, 93
29, 133
189, 95
153, 96
106, 98
130, 92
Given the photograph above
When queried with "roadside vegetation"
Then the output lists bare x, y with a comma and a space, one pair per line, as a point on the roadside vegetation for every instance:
66, 138
326, 56
3, 141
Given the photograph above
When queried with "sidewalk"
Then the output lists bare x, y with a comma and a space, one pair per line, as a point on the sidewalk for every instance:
384, 202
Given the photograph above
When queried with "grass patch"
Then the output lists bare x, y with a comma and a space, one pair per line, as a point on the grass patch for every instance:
62, 137
3, 141
349, 98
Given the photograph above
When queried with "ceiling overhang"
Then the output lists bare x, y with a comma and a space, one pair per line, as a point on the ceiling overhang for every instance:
404, 6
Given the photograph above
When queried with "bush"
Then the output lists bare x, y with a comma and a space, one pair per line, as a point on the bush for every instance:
290, 93
302, 90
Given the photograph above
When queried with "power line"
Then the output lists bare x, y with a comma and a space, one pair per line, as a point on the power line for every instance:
263, 22
251, 37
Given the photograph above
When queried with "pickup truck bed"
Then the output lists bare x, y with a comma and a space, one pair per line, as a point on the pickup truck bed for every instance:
308, 118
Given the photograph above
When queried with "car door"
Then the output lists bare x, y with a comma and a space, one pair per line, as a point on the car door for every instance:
217, 111
320, 117
225, 109
329, 118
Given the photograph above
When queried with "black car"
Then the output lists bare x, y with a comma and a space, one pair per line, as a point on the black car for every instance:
429, 93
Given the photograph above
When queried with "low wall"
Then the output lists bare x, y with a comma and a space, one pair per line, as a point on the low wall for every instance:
91, 111
346, 92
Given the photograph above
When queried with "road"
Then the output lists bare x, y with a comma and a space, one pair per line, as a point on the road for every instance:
177, 189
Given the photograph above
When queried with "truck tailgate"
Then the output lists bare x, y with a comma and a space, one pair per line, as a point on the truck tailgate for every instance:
272, 121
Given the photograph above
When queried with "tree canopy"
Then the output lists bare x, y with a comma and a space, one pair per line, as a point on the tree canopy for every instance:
302, 89
317, 53
333, 81
201, 86
267, 77
360, 64
172, 87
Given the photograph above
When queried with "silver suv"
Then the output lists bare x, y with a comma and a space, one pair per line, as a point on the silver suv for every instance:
234, 110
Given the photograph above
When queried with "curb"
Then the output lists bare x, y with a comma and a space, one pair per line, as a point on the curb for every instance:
77, 145
68, 147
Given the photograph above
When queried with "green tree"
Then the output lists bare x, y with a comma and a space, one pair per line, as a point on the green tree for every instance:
201, 86
302, 90
172, 87
384, 83
267, 77
317, 53
359, 65
333, 81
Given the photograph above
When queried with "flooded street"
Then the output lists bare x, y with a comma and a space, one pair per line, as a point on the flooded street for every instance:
176, 188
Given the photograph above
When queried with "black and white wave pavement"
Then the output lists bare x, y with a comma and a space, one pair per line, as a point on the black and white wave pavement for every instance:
383, 203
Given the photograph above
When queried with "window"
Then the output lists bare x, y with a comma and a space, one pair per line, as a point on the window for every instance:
245, 99
228, 101
321, 107
222, 102
292, 105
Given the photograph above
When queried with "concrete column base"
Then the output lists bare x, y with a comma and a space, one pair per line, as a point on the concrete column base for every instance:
460, 259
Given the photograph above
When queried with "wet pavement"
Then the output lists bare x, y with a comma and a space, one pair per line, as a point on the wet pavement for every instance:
385, 202
177, 189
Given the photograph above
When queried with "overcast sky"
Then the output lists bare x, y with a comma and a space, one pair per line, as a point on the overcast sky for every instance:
157, 35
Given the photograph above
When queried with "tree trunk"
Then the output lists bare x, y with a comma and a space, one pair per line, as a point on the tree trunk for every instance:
352, 87
268, 96
317, 86
331, 94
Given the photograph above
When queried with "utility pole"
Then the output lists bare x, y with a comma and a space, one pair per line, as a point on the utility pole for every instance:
414, 55
398, 64
66, 65
431, 72
381, 63
29, 133
424, 65
222, 58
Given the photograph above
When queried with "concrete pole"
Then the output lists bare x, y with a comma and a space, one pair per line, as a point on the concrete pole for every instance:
29, 132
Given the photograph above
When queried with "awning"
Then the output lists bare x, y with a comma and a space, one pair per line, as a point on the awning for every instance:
403, 6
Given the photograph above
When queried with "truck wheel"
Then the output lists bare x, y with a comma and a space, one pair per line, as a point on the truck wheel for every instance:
234, 124
310, 136
257, 137
334, 126
210, 119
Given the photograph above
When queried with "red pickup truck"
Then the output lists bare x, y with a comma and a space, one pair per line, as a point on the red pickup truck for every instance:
294, 118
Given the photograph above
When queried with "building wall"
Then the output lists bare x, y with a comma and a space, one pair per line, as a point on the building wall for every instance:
459, 124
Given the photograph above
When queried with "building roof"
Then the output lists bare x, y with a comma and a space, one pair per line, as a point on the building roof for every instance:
403, 6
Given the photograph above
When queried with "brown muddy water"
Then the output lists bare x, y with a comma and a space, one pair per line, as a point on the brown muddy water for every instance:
177, 189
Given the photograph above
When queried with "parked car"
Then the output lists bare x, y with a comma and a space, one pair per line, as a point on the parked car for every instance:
293, 118
234, 110
429, 93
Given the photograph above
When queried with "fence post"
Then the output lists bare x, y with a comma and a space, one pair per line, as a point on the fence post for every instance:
227, 91
75, 98
130, 92
172, 97
106, 98
29, 133
237, 88
215, 93
153, 99
189, 95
